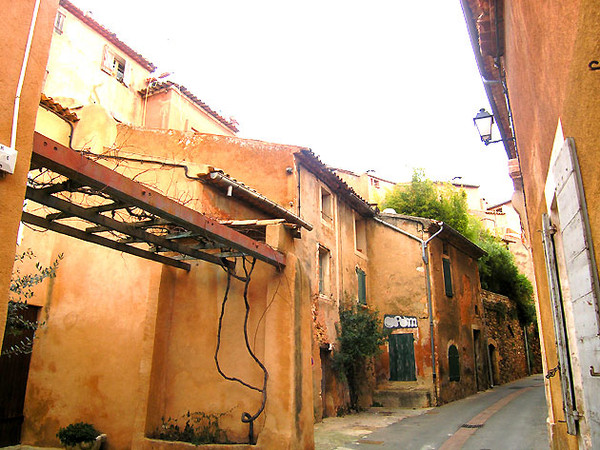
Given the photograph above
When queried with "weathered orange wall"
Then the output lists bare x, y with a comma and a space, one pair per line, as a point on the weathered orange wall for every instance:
242, 159
16, 20
455, 319
172, 110
398, 287
75, 77
88, 359
128, 341
547, 54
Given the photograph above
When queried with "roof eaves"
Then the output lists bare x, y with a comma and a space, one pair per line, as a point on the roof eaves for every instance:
243, 192
499, 204
156, 87
456, 239
334, 182
110, 36
448, 233
488, 70
51, 105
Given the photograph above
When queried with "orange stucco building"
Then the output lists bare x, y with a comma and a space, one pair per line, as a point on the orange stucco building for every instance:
426, 285
90, 65
24, 19
158, 306
539, 70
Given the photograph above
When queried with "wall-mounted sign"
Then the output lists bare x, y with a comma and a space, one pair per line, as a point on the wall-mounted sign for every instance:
390, 321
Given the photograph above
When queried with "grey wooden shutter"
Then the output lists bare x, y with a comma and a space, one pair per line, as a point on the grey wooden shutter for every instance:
558, 317
579, 291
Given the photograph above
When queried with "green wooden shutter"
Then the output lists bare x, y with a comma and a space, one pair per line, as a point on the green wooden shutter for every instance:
362, 286
447, 277
454, 363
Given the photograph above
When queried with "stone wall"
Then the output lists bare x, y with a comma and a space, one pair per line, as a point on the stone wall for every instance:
506, 340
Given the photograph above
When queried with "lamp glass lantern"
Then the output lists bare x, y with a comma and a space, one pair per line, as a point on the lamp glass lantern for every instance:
484, 121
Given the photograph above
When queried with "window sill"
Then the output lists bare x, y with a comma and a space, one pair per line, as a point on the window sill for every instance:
328, 298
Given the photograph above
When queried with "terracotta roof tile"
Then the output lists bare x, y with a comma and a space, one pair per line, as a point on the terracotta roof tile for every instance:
334, 182
110, 36
50, 104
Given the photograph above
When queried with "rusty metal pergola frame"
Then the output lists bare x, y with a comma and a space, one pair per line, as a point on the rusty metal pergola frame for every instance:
128, 216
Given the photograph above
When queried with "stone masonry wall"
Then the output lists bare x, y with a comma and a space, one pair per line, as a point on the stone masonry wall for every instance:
506, 340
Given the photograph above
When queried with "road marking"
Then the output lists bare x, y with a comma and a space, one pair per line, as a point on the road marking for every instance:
458, 439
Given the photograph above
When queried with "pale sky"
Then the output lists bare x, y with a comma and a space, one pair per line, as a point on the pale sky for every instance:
386, 85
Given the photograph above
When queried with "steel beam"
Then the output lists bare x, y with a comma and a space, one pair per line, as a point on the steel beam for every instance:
67, 162
79, 234
62, 205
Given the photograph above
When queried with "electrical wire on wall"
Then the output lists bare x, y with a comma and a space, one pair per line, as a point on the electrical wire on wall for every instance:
248, 267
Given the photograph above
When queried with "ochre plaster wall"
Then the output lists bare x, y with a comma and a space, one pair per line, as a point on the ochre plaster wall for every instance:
52, 126
245, 160
174, 111
16, 19
88, 359
75, 76
547, 56
456, 318
397, 286
128, 341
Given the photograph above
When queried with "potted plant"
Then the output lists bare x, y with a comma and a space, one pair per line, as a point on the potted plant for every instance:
80, 436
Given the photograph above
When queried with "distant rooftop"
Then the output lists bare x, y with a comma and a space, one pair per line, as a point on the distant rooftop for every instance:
156, 86
110, 36
161, 86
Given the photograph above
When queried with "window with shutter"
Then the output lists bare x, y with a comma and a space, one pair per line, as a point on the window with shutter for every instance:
107, 60
362, 286
324, 271
573, 284
447, 277
115, 65
453, 363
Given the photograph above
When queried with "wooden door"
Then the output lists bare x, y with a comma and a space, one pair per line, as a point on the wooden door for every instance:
402, 357
14, 369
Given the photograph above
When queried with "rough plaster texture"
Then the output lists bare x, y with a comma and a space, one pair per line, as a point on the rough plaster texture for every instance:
399, 287
560, 36
157, 325
16, 17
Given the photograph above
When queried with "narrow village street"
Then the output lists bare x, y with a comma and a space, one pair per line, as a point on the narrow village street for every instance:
510, 416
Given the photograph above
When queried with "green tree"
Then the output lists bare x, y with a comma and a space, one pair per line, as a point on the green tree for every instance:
21, 290
498, 273
422, 198
360, 335
497, 270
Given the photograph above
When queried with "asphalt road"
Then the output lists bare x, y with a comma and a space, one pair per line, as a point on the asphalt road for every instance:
512, 416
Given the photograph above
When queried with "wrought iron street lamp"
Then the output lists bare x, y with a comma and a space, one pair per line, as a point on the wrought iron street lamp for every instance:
484, 121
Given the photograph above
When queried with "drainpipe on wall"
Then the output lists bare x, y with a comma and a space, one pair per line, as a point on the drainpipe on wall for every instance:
13, 135
425, 257
527, 350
